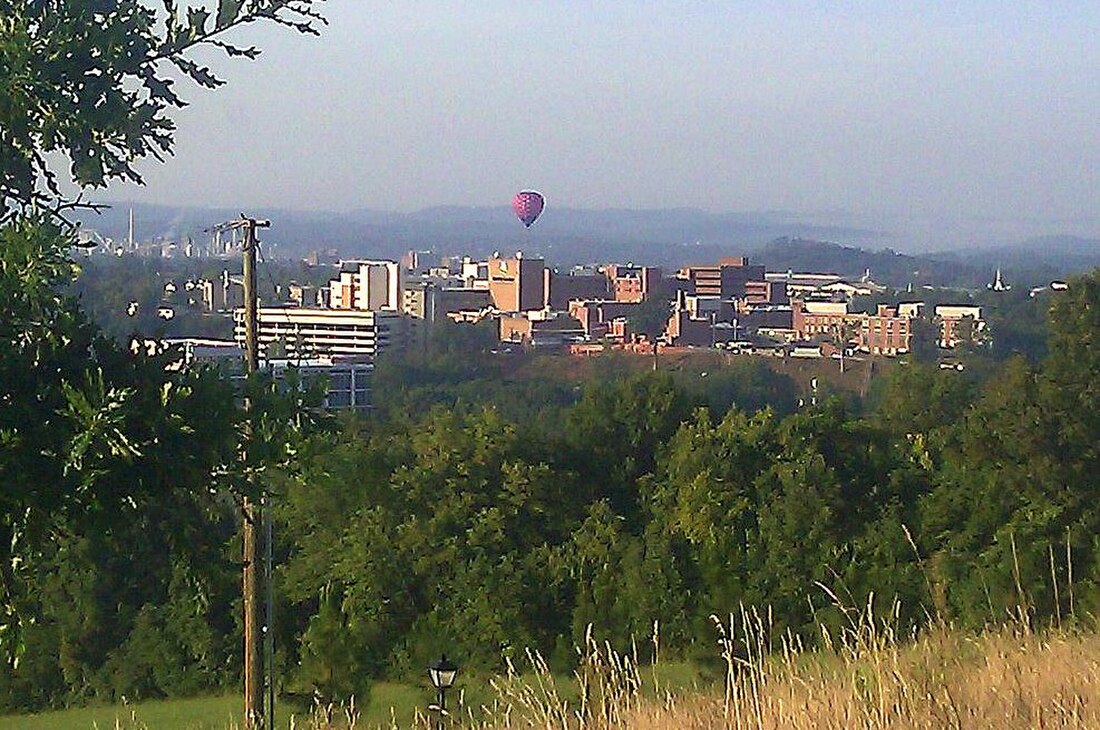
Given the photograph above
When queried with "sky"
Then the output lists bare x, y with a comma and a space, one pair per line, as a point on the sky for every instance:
936, 120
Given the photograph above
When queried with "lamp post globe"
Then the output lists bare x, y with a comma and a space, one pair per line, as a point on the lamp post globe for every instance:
443, 673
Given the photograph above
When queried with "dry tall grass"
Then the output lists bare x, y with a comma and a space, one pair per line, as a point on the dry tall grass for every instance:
867, 678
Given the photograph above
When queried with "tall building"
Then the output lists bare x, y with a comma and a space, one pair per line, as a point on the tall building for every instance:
345, 381
410, 261
766, 292
560, 289
296, 332
517, 284
431, 302
373, 286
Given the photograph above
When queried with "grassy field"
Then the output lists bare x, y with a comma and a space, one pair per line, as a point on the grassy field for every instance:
1009, 678
390, 703
207, 713
212, 713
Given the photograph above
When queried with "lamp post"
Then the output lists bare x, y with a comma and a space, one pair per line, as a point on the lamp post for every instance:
442, 674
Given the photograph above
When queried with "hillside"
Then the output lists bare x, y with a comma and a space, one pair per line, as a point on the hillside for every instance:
564, 236
567, 236
886, 265
1039, 260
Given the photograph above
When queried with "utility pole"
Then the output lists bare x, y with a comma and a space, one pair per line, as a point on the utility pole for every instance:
253, 650
255, 641
252, 514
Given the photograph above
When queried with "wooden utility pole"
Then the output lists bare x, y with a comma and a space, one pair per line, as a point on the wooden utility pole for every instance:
250, 589
254, 716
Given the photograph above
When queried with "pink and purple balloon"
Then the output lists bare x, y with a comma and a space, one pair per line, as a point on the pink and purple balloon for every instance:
528, 205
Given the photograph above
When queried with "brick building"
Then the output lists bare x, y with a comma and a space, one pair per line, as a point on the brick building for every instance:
560, 289
885, 332
633, 284
727, 279
824, 319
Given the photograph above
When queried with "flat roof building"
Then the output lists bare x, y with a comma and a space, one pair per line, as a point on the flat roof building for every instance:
368, 285
517, 284
309, 332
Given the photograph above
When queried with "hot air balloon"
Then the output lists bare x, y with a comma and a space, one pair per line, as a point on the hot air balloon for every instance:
528, 205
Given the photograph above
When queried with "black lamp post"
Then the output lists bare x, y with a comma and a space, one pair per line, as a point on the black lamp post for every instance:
442, 674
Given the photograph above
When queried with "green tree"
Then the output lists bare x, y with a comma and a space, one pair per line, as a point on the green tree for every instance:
91, 83
1018, 482
445, 540
651, 316
921, 399
924, 343
92, 440
616, 432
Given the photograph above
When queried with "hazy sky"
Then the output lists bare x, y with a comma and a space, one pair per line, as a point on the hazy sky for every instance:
946, 112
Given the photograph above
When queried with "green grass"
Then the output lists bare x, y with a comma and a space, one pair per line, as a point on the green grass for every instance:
204, 713
211, 713
388, 701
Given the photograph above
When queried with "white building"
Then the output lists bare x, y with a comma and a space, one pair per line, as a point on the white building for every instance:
373, 286
910, 309
835, 308
300, 332
958, 311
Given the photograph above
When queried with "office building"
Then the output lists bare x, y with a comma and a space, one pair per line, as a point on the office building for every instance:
517, 284
726, 279
885, 332
301, 332
373, 286
345, 382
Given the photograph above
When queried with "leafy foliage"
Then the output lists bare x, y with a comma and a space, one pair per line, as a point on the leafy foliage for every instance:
92, 83
112, 543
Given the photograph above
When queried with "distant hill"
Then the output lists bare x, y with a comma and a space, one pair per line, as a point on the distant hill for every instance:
886, 265
1037, 260
565, 236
